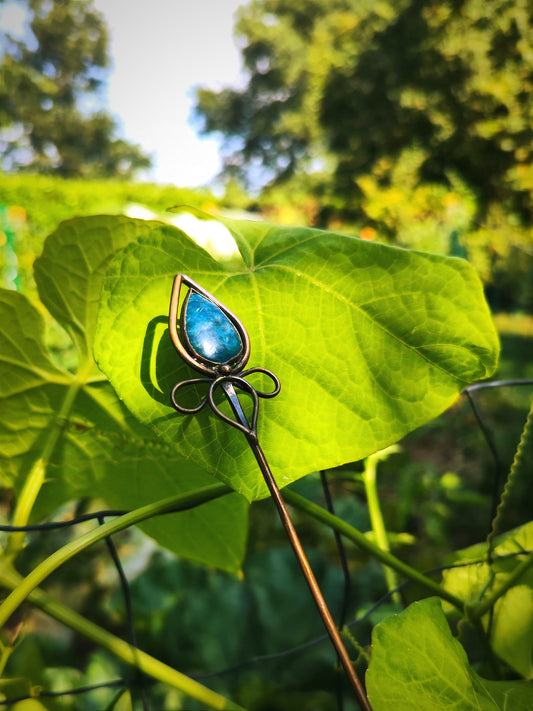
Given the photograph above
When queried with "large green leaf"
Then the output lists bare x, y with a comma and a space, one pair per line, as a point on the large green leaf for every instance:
511, 621
417, 664
91, 444
369, 342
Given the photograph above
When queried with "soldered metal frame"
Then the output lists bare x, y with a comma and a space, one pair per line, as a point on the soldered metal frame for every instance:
229, 376
180, 339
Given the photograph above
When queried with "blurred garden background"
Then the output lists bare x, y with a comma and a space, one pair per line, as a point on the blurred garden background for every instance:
408, 122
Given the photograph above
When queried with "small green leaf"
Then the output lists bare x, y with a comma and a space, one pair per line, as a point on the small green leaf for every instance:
417, 664
369, 342
91, 444
512, 619
512, 629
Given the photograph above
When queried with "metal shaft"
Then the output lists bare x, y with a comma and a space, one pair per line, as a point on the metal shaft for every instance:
299, 551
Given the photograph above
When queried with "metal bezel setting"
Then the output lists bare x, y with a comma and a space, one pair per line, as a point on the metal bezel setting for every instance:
181, 341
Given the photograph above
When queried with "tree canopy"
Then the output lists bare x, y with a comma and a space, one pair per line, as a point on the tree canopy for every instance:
49, 82
353, 87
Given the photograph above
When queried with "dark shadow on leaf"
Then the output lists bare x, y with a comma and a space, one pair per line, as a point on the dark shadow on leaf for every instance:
160, 366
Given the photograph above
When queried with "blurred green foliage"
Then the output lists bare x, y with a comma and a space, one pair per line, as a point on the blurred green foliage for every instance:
31, 207
355, 85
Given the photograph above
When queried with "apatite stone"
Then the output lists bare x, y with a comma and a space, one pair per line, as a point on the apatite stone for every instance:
210, 332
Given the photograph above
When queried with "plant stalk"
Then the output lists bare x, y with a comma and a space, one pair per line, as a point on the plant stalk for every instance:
36, 476
366, 544
376, 520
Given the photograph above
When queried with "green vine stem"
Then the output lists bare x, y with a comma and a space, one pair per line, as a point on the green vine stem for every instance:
526, 439
376, 516
52, 563
362, 541
121, 649
26, 500
36, 476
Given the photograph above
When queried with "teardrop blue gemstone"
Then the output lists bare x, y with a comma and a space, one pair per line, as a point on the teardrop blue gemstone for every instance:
210, 332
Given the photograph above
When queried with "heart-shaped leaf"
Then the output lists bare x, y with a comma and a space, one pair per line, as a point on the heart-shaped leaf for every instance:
417, 664
74, 422
369, 342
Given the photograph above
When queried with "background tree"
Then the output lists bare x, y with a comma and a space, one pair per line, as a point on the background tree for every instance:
49, 84
350, 86
452, 79
272, 126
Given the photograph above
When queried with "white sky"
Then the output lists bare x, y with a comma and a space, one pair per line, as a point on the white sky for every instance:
160, 50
